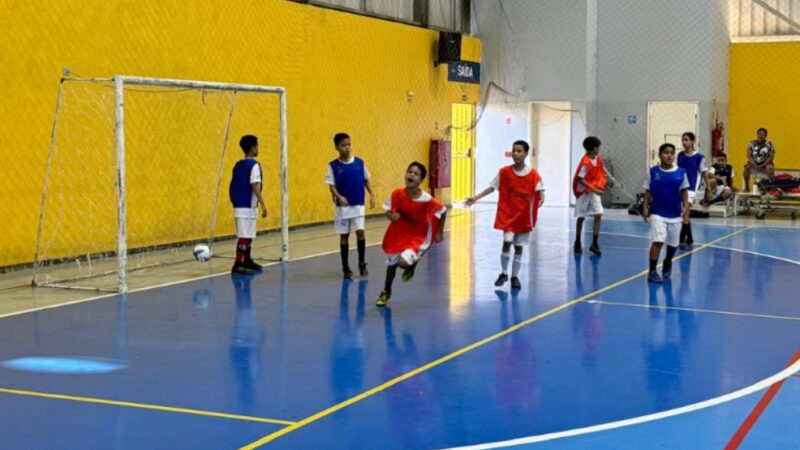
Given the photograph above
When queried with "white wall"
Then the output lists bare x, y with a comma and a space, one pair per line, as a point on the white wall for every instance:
645, 50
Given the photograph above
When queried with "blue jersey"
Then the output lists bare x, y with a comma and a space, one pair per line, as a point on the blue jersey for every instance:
725, 171
350, 179
665, 188
693, 165
240, 191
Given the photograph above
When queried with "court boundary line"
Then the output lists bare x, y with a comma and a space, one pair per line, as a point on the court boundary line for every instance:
761, 385
755, 414
702, 310
147, 406
452, 355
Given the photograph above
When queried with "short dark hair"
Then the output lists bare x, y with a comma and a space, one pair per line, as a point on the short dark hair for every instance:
722, 155
339, 137
690, 135
524, 145
591, 143
762, 129
423, 172
665, 146
247, 142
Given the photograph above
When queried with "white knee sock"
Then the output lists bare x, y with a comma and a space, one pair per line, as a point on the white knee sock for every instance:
504, 258
517, 263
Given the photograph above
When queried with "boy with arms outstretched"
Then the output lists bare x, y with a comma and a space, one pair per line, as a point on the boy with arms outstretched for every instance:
417, 221
521, 193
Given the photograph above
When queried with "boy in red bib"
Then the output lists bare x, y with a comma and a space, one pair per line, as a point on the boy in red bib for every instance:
417, 222
588, 185
521, 193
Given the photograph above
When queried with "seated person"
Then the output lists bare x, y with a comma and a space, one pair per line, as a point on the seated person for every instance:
719, 182
722, 171
760, 158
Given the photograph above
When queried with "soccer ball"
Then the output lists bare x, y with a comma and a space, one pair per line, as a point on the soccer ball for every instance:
202, 252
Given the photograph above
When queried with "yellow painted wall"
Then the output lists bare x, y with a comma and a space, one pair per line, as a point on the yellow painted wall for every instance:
764, 92
343, 72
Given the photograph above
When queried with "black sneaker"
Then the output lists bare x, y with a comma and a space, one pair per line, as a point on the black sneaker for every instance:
348, 274
240, 269
362, 269
577, 248
689, 242
383, 298
252, 265
515, 284
408, 272
501, 280
595, 249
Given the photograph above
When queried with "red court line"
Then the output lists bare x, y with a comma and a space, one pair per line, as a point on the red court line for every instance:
755, 414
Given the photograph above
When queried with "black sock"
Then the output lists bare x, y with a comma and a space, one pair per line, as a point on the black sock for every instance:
343, 250
653, 264
668, 259
683, 233
362, 249
689, 236
595, 237
391, 271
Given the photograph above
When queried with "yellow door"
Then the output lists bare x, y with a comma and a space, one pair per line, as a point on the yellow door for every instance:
462, 146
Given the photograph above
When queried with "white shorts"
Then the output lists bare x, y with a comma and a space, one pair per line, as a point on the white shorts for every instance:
245, 227
665, 230
345, 226
409, 256
588, 205
516, 238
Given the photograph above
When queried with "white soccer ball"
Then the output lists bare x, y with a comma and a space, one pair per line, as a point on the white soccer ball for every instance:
202, 252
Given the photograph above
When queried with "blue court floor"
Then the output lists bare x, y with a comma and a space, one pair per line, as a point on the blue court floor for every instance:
296, 358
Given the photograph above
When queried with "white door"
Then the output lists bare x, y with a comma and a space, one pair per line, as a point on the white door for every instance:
666, 122
551, 139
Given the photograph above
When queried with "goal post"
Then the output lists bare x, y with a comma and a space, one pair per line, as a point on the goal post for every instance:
170, 139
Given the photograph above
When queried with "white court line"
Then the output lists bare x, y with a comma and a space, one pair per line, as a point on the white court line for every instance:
790, 261
680, 308
761, 385
157, 286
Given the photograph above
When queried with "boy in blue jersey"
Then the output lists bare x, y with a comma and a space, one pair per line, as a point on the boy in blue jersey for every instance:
666, 205
693, 162
245, 194
347, 178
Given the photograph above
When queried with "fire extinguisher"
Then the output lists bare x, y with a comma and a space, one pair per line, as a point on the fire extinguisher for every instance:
718, 140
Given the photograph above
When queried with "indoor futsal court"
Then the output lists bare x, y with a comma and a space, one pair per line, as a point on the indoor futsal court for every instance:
399, 224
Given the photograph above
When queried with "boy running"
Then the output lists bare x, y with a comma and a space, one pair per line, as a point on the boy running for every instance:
417, 221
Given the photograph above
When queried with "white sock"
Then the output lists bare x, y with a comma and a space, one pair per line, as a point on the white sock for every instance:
517, 263
504, 258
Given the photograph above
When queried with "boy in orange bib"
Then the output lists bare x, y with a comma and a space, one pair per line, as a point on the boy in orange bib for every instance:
588, 185
417, 222
521, 193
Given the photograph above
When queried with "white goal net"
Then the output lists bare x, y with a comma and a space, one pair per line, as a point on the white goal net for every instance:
138, 172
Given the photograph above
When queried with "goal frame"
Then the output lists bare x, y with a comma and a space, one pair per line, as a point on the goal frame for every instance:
120, 82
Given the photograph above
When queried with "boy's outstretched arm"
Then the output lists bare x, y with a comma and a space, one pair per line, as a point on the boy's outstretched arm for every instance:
440, 234
472, 200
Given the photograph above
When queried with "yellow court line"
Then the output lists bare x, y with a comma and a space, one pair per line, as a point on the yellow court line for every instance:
326, 412
102, 401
